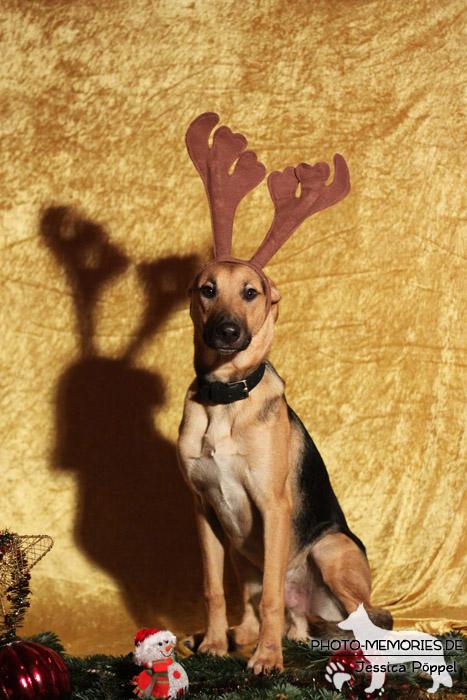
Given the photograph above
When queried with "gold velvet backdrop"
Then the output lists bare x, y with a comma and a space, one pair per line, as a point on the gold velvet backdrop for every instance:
104, 220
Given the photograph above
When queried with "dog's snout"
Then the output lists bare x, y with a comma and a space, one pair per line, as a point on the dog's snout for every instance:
226, 334
228, 331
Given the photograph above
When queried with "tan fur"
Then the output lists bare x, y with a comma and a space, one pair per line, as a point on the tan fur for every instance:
239, 460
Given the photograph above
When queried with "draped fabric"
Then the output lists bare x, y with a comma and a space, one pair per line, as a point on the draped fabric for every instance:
104, 221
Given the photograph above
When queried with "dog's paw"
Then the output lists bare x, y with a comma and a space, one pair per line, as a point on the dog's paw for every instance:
335, 674
216, 647
266, 659
298, 634
194, 642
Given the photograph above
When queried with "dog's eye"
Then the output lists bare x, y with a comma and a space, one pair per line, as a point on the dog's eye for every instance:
208, 291
250, 293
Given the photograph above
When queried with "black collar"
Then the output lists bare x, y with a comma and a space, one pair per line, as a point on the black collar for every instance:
220, 392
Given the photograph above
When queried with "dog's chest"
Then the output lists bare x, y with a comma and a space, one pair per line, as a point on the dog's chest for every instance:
219, 475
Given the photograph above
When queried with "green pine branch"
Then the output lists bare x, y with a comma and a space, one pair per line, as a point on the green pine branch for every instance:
101, 677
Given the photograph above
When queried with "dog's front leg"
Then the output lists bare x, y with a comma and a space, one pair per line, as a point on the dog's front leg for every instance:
276, 519
212, 554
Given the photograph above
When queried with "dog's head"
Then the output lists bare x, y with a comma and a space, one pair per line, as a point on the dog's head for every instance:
230, 308
233, 304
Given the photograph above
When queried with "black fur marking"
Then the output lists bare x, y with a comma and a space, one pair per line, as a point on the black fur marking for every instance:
269, 409
320, 511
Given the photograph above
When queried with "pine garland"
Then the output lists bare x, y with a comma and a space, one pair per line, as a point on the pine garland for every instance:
102, 677
18, 554
13, 561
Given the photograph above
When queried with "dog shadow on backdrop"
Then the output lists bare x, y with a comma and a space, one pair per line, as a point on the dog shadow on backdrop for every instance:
134, 513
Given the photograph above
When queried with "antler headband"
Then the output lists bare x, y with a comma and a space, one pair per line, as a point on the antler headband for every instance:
225, 190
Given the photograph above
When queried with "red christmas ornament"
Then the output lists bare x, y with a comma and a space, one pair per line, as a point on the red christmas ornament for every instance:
344, 671
30, 671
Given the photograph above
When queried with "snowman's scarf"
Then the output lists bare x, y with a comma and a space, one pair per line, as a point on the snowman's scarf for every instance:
161, 675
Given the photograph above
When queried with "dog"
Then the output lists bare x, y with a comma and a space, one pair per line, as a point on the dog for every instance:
260, 486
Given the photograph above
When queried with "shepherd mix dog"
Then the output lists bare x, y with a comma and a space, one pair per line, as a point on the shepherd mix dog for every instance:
260, 486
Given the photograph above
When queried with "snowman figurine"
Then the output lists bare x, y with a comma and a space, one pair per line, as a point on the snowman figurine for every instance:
162, 677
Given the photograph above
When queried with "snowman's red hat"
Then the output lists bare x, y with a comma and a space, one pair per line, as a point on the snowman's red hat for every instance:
144, 634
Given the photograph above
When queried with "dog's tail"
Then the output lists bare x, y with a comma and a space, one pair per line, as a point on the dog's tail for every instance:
318, 628
329, 629
381, 618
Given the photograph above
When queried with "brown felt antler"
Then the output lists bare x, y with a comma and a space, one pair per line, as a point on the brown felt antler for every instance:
224, 190
290, 210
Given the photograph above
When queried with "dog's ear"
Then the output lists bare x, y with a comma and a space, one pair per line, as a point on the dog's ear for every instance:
275, 296
275, 299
